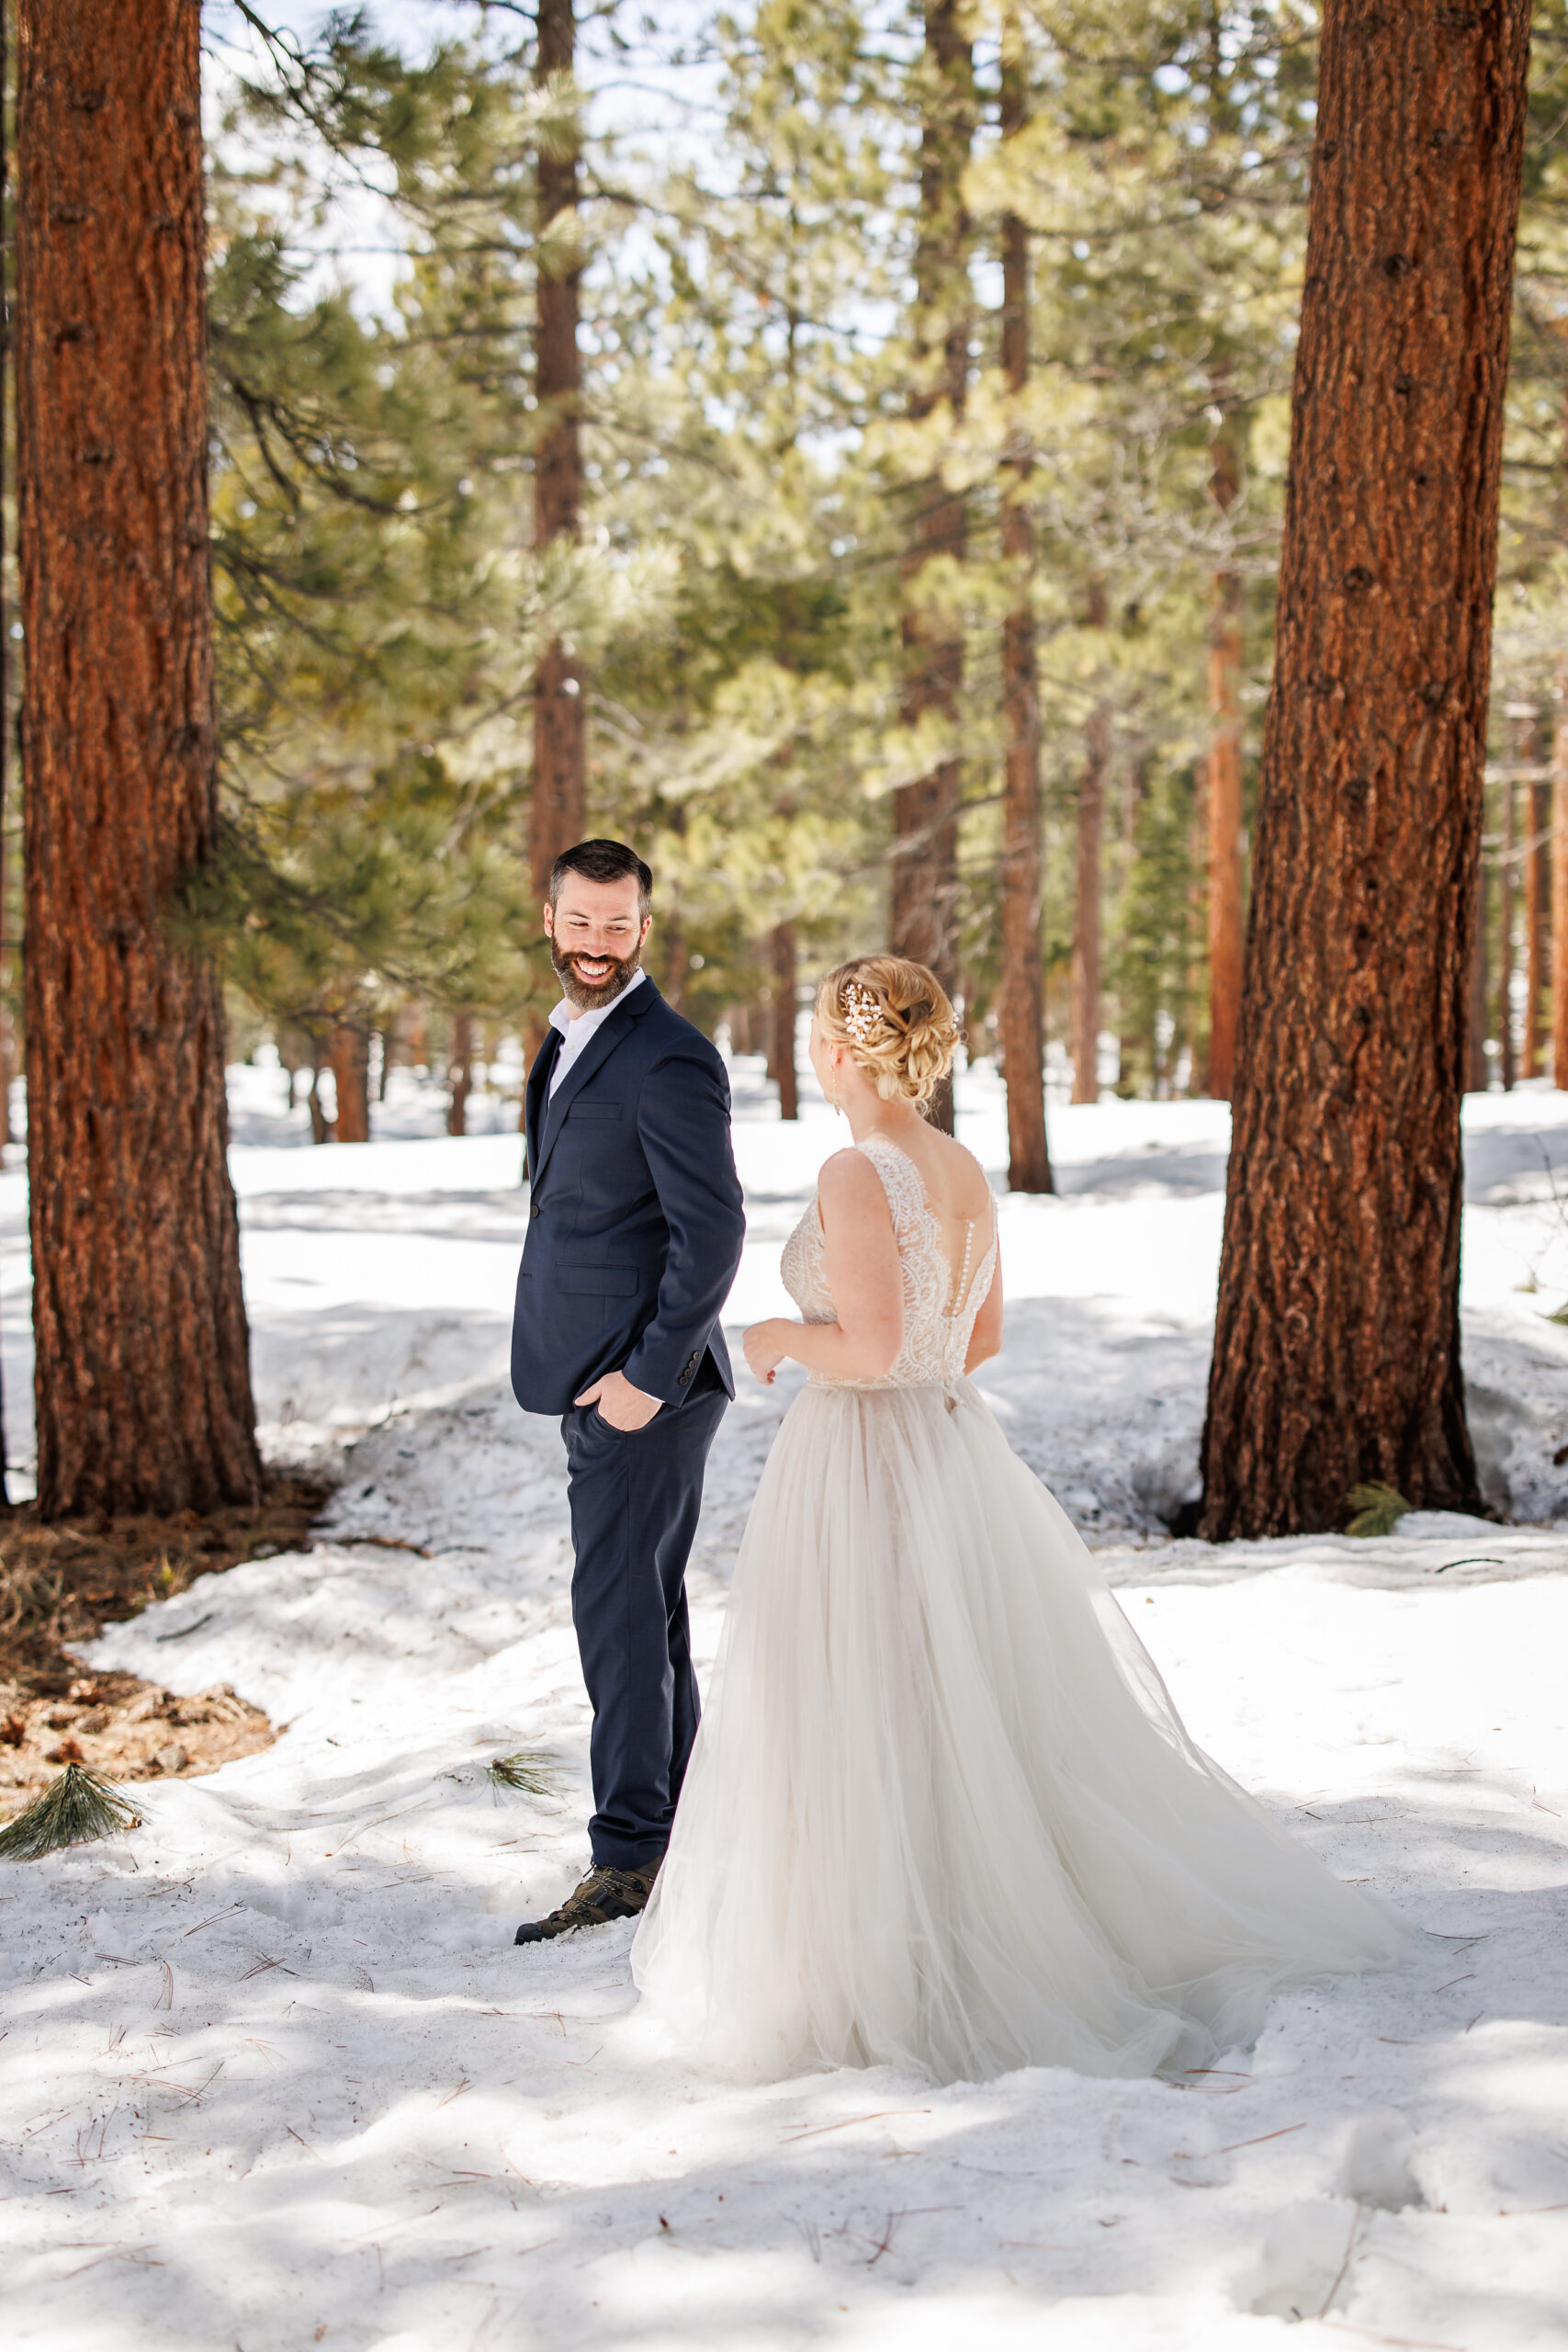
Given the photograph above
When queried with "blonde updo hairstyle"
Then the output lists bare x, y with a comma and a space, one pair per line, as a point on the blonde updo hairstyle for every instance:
895, 1021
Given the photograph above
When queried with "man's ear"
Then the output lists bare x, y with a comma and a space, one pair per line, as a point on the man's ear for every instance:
549, 920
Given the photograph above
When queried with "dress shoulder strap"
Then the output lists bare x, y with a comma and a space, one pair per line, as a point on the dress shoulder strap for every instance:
900, 1177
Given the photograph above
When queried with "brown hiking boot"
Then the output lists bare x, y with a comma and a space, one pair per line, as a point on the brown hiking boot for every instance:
604, 1895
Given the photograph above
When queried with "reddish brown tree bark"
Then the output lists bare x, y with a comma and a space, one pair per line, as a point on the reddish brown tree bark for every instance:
351, 1079
557, 817
1225, 656
1506, 937
1478, 1023
461, 1074
1559, 789
925, 813
1085, 1000
1337, 1355
142, 1376
1022, 1009
1538, 899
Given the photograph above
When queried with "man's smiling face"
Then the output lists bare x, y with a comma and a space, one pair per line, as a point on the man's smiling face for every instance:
596, 931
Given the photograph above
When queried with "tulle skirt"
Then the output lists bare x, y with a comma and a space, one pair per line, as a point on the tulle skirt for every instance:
942, 1812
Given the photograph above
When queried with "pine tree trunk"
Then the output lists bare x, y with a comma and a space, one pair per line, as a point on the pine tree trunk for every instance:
142, 1375
459, 1074
1559, 790
1506, 937
1478, 1013
1538, 903
1022, 1023
1086, 1004
925, 813
1336, 1346
557, 819
8, 1032
319, 1130
786, 1075
351, 1077
1225, 656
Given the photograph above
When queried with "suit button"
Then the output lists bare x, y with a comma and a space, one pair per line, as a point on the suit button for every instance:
535, 1208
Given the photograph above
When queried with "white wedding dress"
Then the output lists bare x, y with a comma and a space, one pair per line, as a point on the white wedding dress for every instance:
942, 1812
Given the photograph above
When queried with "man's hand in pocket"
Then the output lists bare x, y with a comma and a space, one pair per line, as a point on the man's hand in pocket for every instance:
623, 1406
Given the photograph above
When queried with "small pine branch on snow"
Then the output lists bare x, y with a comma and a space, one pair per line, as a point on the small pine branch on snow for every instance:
1377, 1509
73, 1811
532, 1770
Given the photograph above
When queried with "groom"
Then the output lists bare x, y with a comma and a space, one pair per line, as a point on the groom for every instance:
635, 1227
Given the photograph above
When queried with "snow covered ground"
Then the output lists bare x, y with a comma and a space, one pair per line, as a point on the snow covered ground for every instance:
274, 2074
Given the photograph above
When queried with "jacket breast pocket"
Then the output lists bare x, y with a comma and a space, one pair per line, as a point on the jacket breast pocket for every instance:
599, 1281
592, 1111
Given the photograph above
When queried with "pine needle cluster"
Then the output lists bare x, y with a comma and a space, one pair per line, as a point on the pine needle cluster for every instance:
1376, 1508
73, 1811
528, 1771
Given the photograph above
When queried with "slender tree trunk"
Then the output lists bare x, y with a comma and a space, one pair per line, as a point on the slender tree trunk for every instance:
786, 1074
1336, 1346
1085, 1009
321, 1132
8, 1039
1478, 1014
1225, 655
142, 1369
1505, 936
461, 1074
1538, 903
560, 794
351, 1077
1559, 789
1022, 1012
925, 813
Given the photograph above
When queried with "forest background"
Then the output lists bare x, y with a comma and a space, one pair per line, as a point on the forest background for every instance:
800, 444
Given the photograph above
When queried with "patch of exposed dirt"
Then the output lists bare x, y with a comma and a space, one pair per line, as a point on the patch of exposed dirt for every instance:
62, 1584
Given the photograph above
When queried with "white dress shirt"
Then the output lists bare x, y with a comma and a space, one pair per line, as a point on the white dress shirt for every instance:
576, 1028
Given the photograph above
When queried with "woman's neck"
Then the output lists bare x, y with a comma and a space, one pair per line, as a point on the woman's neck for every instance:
868, 1114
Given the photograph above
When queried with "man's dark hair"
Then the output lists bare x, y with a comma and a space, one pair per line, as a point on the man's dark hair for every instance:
604, 862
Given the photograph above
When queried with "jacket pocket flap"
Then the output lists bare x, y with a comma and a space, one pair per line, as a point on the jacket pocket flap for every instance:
604, 1282
594, 1111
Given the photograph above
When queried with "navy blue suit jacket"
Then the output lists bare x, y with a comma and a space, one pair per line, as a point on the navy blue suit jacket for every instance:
635, 1222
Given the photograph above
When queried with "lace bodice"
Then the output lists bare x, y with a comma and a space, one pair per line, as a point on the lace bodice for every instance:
937, 1325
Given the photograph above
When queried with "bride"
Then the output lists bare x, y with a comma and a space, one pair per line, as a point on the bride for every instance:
942, 1812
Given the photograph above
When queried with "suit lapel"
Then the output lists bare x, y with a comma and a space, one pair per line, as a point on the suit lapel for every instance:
535, 1096
594, 1054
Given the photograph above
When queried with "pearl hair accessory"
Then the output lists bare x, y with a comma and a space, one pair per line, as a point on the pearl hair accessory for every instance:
863, 1016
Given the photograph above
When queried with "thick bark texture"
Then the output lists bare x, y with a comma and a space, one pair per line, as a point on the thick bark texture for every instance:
560, 737
925, 813
1225, 654
785, 1074
1021, 1007
142, 1373
1337, 1353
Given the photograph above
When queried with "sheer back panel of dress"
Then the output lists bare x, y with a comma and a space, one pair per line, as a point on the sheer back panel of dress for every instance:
940, 1303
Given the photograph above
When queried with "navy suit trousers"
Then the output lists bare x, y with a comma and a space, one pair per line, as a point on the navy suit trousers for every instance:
635, 1499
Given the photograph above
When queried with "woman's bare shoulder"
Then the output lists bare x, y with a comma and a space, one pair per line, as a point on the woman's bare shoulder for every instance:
848, 1184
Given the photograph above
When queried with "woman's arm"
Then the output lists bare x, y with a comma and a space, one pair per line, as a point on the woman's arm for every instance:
986, 1339
864, 1275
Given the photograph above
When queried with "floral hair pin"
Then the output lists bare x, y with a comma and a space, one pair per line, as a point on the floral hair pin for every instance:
863, 1016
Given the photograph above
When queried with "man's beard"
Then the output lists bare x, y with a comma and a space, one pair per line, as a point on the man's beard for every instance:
590, 996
